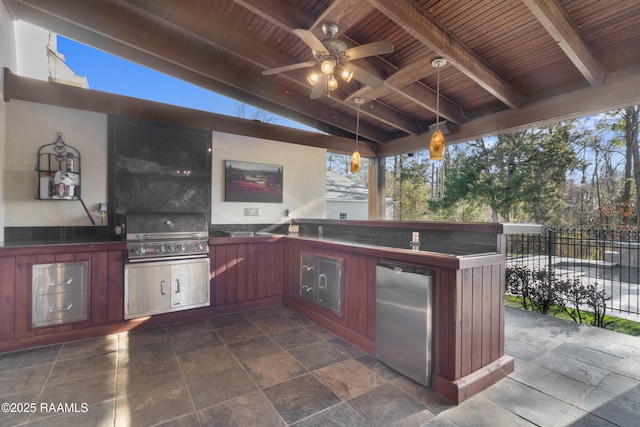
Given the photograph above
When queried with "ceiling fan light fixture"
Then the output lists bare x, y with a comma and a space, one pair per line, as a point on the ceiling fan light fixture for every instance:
346, 75
332, 83
328, 65
313, 78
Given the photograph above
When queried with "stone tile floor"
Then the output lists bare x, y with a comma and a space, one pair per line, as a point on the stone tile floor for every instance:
273, 367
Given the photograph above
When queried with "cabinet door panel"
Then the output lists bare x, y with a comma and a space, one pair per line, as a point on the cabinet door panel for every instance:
190, 284
329, 284
149, 289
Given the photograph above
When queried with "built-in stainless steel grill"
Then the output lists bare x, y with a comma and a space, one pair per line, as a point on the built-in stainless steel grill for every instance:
166, 236
168, 268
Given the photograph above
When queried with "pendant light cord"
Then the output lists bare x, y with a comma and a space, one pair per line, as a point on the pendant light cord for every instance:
357, 125
438, 98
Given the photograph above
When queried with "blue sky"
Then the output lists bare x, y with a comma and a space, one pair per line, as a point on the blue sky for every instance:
112, 74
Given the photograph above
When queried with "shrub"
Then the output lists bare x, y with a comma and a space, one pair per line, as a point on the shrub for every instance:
542, 290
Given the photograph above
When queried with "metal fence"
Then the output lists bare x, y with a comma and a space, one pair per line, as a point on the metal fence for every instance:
607, 258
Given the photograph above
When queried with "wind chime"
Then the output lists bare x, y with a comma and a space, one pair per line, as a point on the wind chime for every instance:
436, 145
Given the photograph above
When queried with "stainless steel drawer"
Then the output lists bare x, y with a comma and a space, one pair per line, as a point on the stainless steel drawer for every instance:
59, 308
59, 277
59, 293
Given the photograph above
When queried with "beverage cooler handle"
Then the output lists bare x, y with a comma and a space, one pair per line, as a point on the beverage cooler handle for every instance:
322, 278
177, 286
162, 288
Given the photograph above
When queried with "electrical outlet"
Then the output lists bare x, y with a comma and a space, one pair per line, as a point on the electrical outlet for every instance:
102, 207
251, 211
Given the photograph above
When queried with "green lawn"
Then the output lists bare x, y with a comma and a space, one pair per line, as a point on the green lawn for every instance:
616, 324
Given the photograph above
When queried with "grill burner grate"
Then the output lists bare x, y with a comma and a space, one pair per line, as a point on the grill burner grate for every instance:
166, 235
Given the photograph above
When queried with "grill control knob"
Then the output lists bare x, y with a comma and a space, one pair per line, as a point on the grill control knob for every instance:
140, 250
199, 247
181, 247
161, 249
170, 248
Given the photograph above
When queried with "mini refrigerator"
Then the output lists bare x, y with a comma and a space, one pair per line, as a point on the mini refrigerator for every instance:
404, 319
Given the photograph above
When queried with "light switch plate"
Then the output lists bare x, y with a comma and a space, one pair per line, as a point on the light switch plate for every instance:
251, 211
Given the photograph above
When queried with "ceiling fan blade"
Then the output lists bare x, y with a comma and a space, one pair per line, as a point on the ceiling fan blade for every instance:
289, 68
365, 77
369, 49
318, 88
311, 40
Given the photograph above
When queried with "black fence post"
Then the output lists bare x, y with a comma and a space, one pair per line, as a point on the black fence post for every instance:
550, 248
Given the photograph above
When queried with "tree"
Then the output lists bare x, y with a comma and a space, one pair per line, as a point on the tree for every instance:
407, 185
627, 126
245, 111
519, 175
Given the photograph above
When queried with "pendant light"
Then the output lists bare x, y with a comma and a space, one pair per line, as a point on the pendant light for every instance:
355, 157
436, 145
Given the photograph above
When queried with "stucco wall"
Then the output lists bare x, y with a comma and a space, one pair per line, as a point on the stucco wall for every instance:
31, 125
7, 59
303, 179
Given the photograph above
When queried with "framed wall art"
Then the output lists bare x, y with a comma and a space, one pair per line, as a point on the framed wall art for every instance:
252, 182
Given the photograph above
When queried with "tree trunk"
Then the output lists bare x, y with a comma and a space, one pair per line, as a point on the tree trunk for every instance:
631, 135
626, 191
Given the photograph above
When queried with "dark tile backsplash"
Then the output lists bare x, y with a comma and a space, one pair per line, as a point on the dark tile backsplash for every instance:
442, 241
220, 230
56, 235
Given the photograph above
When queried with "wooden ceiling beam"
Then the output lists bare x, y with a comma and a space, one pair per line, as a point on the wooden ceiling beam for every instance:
344, 13
556, 21
611, 95
49, 93
404, 83
430, 33
278, 13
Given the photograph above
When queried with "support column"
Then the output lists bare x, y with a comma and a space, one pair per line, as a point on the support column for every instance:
377, 188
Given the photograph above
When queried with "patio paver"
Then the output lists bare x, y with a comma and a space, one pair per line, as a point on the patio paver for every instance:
565, 375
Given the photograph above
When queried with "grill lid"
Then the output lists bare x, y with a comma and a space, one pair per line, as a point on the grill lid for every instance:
156, 226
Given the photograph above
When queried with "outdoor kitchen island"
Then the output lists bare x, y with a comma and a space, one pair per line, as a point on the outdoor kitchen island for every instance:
264, 270
467, 300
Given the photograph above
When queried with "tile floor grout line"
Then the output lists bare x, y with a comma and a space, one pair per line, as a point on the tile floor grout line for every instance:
184, 378
44, 385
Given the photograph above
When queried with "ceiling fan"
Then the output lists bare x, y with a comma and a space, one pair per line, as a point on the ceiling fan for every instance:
332, 55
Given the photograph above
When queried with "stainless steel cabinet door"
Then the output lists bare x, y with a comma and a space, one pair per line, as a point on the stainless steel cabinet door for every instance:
190, 284
147, 289
329, 284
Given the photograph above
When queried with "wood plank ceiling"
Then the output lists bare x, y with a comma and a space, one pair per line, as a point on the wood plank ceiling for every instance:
510, 63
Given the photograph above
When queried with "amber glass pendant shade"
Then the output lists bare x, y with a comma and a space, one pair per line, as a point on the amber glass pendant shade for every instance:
436, 146
355, 162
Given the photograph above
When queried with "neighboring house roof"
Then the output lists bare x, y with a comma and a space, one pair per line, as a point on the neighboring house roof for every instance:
59, 72
340, 187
